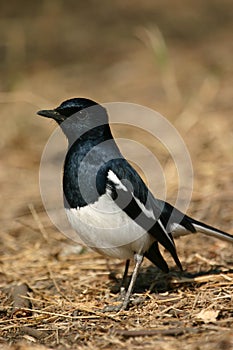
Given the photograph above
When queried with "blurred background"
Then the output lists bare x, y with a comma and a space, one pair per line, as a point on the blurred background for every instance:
172, 56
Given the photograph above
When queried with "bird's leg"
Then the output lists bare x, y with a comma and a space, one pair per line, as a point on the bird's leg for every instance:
126, 297
124, 280
138, 258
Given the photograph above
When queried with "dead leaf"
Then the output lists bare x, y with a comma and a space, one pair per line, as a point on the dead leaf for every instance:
208, 316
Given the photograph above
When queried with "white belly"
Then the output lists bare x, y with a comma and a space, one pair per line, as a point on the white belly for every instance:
106, 229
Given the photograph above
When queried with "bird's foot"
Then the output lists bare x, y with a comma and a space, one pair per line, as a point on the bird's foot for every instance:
112, 308
119, 303
122, 303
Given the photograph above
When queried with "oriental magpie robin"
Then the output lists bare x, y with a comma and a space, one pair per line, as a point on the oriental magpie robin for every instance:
107, 202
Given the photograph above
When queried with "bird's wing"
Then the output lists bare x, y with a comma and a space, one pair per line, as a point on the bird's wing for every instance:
130, 193
153, 254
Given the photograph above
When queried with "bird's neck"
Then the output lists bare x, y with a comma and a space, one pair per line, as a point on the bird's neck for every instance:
84, 158
95, 135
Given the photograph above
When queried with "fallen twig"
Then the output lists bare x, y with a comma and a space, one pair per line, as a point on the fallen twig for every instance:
21, 305
148, 332
202, 279
35, 333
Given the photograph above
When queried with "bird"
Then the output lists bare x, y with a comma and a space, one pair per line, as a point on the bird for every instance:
107, 202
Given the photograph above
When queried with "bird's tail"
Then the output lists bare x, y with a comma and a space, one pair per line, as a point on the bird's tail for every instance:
211, 231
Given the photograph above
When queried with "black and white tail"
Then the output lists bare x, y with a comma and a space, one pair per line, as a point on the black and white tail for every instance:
211, 231
179, 230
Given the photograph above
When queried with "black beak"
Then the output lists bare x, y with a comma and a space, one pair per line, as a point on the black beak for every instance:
50, 113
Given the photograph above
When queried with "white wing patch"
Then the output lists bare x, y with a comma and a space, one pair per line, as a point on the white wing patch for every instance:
164, 230
120, 186
147, 212
117, 182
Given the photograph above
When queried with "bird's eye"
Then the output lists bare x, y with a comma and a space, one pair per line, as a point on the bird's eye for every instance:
83, 114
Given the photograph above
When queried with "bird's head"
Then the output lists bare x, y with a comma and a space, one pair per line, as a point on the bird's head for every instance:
77, 116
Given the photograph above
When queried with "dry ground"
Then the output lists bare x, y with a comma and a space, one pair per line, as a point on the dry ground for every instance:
115, 52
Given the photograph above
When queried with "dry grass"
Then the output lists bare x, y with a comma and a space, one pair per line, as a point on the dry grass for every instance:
66, 292
63, 287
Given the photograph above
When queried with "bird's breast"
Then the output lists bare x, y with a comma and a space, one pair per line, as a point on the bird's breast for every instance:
105, 228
